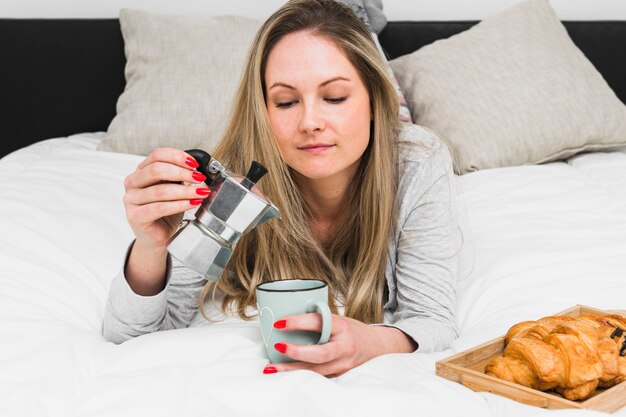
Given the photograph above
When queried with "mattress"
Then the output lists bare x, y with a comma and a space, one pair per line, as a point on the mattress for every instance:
537, 240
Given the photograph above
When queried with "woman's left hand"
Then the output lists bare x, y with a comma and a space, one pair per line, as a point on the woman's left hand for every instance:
351, 344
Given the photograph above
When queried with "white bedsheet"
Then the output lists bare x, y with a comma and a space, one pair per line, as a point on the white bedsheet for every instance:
539, 239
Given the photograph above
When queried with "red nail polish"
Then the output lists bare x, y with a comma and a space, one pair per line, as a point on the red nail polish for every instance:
281, 347
192, 162
203, 191
270, 370
198, 176
195, 201
280, 324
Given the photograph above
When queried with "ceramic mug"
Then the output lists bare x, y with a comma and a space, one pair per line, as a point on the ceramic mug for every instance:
278, 299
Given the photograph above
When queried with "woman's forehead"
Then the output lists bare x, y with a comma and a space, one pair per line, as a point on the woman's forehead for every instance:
307, 57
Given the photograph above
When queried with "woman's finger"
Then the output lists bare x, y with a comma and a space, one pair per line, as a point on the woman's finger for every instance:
149, 213
309, 321
158, 172
170, 155
327, 369
165, 192
324, 353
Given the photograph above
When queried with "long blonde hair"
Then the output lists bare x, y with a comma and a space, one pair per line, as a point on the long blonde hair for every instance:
352, 260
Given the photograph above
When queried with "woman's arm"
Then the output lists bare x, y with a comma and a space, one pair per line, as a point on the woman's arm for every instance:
427, 252
151, 292
128, 314
146, 268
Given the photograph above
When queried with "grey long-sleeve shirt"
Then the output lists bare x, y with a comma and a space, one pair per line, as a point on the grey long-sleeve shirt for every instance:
421, 272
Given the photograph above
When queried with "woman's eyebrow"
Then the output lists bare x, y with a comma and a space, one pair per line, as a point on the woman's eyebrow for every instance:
324, 84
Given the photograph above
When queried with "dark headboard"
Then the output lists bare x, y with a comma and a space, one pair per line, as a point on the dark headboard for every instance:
63, 76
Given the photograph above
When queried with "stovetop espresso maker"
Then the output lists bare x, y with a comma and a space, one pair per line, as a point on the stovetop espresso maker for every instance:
234, 207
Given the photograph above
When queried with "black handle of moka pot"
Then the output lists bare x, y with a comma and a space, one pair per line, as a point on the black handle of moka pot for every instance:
255, 173
203, 159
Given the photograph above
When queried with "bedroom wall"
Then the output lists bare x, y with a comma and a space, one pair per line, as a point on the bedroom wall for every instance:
395, 9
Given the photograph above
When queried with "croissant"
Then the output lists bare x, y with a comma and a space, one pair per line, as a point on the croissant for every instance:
570, 355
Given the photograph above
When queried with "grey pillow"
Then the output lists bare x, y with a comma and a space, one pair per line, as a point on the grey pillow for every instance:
181, 76
512, 90
370, 12
377, 18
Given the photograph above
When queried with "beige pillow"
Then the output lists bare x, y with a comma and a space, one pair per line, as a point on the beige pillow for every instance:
181, 76
512, 90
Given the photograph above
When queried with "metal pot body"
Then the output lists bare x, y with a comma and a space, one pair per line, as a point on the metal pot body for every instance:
206, 244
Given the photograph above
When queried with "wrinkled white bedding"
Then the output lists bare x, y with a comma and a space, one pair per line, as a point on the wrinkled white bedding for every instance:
539, 239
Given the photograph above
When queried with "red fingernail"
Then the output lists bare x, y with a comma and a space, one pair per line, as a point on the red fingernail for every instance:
198, 176
203, 191
270, 370
192, 162
281, 347
280, 324
195, 201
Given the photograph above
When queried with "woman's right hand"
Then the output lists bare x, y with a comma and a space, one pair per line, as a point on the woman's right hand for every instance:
154, 199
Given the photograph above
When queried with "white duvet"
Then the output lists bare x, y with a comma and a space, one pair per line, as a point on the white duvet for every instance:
539, 239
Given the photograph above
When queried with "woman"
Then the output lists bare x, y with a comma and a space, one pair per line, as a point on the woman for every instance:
366, 204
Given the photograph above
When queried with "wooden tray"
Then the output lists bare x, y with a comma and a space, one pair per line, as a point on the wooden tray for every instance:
468, 368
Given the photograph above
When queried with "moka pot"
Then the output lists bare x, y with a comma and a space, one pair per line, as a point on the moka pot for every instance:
234, 207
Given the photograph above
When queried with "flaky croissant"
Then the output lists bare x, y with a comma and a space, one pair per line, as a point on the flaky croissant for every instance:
571, 355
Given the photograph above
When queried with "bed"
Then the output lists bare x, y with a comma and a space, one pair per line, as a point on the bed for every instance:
540, 238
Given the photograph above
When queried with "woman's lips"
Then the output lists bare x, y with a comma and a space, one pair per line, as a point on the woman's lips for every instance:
316, 148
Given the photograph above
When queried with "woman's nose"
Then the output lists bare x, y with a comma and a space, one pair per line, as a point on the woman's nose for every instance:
312, 119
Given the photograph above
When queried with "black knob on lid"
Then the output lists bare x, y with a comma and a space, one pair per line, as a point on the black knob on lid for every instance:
255, 173
203, 159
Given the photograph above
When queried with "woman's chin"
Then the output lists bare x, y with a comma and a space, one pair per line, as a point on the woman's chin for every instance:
324, 172
314, 175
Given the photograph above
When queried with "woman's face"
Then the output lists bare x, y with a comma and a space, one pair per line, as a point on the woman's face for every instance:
318, 106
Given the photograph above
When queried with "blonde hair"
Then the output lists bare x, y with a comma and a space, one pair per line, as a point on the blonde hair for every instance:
353, 259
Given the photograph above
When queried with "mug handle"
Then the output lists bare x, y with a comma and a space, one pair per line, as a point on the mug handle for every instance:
322, 308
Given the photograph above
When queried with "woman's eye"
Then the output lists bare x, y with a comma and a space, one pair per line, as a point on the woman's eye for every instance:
285, 104
336, 99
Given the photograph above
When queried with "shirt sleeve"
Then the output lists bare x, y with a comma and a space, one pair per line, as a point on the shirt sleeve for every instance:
428, 246
128, 314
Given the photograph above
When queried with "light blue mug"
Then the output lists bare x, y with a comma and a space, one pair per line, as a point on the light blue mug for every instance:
278, 299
